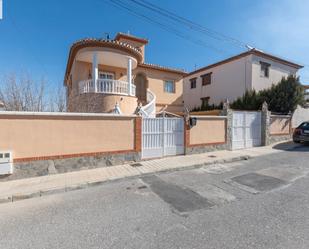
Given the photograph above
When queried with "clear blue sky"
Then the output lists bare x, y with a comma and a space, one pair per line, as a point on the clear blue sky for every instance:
35, 35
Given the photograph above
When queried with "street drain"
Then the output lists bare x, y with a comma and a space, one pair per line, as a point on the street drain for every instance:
212, 156
136, 165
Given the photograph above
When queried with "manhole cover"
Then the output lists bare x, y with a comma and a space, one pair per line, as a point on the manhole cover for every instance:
136, 165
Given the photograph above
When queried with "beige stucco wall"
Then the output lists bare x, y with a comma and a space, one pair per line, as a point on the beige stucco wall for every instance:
300, 115
92, 102
208, 131
276, 72
280, 125
38, 136
228, 81
232, 79
156, 79
81, 70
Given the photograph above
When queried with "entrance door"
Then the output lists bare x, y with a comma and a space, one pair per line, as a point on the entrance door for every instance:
246, 130
162, 137
141, 84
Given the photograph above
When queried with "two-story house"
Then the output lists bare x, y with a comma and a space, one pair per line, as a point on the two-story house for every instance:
112, 75
231, 78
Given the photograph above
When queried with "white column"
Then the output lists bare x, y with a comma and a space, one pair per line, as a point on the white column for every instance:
129, 75
95, 70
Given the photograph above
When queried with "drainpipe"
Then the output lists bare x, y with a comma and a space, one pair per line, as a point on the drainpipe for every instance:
129, 75
95, 70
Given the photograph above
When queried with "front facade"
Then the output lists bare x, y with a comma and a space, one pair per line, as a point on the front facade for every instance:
231, 78
107, 76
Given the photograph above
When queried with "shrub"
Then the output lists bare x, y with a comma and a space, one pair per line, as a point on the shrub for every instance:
282, 98
207, 107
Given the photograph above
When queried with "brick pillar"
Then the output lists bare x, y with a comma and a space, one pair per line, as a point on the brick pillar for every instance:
186, 130
265, 125
186, 136
138, 135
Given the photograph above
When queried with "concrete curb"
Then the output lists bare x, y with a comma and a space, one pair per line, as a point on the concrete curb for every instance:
84, 185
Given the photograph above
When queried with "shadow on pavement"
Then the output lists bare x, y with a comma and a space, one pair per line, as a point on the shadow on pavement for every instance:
290, 146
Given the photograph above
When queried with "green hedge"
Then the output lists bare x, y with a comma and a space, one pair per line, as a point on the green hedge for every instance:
282, 97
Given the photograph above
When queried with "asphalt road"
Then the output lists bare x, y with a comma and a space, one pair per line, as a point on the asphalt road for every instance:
259, 203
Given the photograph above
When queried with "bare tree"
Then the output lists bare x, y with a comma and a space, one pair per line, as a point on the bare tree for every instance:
22, 93
57, 101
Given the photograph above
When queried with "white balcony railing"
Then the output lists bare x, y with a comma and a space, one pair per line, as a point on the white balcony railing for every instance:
106, 86
149, 110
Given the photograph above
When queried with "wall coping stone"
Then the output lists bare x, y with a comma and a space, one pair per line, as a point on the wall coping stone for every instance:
208, 117
65, 114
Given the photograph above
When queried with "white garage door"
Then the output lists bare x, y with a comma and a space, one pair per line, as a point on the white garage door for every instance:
246, 130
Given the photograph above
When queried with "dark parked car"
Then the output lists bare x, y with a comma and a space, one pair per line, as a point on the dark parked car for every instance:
301, 133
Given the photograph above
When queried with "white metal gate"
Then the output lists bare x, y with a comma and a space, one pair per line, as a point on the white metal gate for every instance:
162, 137
246, 129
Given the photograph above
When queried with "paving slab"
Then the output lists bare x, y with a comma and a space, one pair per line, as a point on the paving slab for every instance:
54, 183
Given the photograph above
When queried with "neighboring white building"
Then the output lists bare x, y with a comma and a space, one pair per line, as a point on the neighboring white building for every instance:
230, 78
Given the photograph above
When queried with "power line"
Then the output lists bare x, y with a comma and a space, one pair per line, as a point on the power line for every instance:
190, 24
166, 27
122, 5
193, 25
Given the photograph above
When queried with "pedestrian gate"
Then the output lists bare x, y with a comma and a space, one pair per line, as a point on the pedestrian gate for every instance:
162, 136
246, 129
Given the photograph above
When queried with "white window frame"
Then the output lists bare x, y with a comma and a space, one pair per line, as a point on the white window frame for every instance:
108, 74
166, 89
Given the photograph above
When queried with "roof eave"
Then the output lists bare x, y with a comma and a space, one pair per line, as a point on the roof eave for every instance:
133, 38
273, 57
96, 42
161, 68
252, 51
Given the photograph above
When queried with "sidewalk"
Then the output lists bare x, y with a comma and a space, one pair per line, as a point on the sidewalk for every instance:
39, 186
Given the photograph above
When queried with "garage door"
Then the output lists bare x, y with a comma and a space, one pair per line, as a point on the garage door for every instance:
246, 130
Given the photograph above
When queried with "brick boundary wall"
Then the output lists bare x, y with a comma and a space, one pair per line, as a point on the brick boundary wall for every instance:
205, 147
53, 164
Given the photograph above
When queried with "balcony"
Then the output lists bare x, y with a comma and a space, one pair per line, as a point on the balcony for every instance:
106, 86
